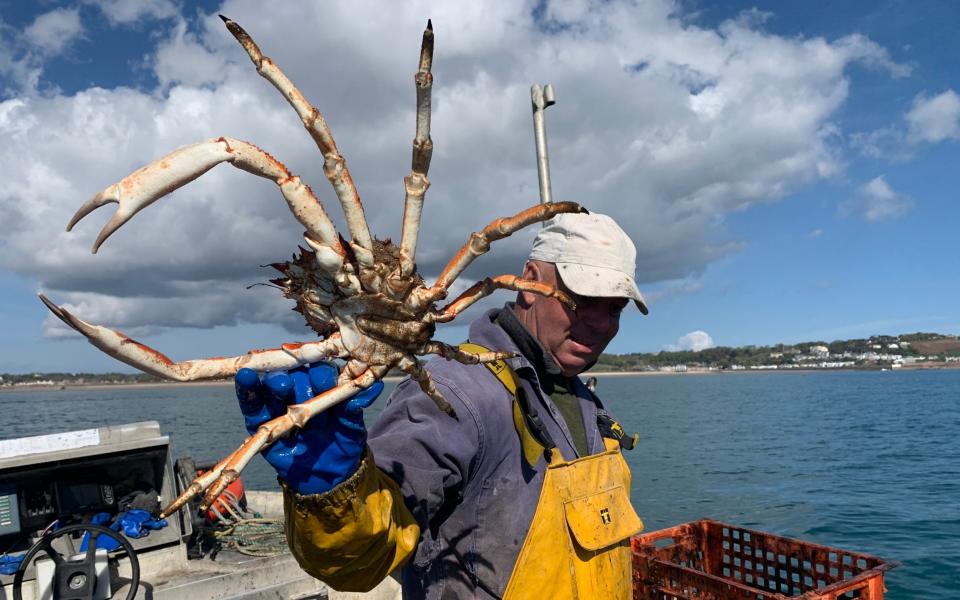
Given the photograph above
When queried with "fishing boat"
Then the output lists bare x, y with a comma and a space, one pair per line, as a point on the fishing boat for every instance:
55, 488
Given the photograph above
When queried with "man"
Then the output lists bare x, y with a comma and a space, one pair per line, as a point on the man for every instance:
524, 494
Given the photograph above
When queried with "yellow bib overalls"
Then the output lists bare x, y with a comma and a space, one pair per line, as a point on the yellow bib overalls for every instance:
578, 545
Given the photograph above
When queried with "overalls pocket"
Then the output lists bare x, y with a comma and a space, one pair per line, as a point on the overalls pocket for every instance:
601, 520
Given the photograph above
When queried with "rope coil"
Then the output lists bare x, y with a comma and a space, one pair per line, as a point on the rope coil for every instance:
253, 536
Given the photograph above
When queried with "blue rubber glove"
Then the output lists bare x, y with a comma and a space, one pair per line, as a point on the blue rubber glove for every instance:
325, 452
9, 563
103, 541
134, 523
138, 523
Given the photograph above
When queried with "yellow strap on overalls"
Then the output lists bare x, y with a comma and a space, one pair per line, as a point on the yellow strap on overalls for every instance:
578, 543
532, 448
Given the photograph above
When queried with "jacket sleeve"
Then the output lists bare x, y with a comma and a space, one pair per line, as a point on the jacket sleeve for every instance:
418, 460
356, 534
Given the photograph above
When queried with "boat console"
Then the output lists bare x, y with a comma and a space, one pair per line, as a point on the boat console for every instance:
62, 480
70, 476
51, 488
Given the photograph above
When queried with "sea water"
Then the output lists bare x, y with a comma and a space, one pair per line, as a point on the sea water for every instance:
864, 461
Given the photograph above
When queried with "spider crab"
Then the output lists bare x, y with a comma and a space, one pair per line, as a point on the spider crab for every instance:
363, 297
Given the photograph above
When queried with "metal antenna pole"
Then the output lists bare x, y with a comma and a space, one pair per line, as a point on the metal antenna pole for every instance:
542, 97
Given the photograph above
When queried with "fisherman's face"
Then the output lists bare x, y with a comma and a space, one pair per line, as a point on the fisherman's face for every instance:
574, 339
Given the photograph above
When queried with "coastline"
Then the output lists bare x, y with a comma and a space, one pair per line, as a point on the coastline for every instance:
928, 367
644, 373
394, 379
229, 383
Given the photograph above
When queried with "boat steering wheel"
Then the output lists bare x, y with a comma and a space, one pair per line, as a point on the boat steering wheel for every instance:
76, 579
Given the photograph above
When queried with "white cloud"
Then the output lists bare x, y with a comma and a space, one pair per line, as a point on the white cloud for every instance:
934, 119
815, 234
929, 120
875, 201
695, 341
665, 125
23, 53
187, 304
51, 32
121, 12
671, 289
886, 142
183, 59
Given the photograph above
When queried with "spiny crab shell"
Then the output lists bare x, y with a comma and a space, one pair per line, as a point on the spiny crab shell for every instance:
327, 309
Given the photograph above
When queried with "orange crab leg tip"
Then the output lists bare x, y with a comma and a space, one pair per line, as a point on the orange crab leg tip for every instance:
243, 37
180, 501
575, 207
562, 297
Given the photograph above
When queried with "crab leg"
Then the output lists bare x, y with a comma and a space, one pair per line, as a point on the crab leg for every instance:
487, 286
468, 358
416, 183
412, 367
334, 166
297, 415
157, 179
479, 244
200, 483
147, 359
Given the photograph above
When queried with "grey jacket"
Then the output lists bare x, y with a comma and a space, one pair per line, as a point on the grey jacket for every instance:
464, 479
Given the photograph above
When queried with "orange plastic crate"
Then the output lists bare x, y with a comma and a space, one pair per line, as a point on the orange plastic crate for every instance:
710, 560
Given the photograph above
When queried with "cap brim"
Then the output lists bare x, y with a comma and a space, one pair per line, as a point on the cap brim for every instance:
600, 282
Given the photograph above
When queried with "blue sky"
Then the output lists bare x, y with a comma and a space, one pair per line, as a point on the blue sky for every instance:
787, 170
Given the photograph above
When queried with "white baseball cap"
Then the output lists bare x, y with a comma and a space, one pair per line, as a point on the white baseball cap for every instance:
594, 257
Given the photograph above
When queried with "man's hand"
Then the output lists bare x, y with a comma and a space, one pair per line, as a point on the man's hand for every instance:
325, 452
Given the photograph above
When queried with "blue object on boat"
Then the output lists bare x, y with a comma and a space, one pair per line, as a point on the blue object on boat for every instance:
134, 523
103, 541
9, 563
138, 523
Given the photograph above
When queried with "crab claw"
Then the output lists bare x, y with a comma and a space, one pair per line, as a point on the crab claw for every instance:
111, 194
157, 179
